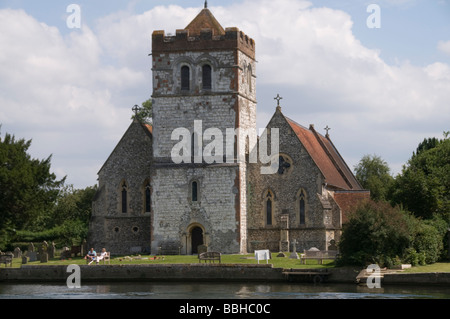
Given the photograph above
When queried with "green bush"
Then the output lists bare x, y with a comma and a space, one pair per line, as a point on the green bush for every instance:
381, 234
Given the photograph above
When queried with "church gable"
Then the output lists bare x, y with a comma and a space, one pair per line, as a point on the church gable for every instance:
333, 167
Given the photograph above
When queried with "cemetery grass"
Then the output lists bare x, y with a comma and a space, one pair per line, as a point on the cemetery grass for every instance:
277, 262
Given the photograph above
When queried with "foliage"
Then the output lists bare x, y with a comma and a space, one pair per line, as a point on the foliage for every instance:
376, 233
423, 187
374, 174
27, 187
145, 113
68, 223
385, 235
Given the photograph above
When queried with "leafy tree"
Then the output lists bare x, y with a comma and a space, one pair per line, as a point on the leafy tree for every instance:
374, 174
423, 187
28, 189
375, 233
379, 233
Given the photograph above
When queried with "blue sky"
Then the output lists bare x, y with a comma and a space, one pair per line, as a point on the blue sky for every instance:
382, 91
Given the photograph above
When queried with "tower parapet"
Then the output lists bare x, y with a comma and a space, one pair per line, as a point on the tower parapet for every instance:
232, 39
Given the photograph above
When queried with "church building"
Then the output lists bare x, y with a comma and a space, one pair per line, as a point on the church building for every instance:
158, 193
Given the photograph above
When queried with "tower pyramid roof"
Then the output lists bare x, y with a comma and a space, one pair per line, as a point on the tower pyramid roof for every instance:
205, 20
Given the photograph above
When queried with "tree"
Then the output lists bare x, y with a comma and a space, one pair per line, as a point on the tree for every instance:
374, 174
28, 189
423, 186
145, 113
376, 233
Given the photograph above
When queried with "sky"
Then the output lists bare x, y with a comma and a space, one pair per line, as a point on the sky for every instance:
380, 79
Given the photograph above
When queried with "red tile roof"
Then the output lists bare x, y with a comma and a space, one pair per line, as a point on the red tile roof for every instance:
327, 158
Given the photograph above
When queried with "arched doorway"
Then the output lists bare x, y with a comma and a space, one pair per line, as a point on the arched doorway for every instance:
196, 239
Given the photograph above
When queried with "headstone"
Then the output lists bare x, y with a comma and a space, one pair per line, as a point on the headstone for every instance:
32, 255
30, 247
44, 257
65, 253
332, 245
84, 248
51, 250
17, 253
24, 260
294, 254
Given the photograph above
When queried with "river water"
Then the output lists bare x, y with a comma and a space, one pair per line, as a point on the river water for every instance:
202, 291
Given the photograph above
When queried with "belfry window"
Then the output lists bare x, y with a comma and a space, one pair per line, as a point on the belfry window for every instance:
206, 77
124, 199
185, 78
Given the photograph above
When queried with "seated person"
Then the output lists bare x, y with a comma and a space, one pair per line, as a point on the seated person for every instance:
92, 255
102, 255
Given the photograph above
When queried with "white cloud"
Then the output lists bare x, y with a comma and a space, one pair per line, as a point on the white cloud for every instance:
444, 46
80, 87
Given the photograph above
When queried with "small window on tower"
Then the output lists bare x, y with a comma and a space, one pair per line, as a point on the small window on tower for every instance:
194, 191
206, 78
185, 78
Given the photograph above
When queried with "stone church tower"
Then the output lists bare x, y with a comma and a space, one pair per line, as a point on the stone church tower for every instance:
203, 78
189, 179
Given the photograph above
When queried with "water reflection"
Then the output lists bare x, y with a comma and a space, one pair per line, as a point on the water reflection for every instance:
217, 291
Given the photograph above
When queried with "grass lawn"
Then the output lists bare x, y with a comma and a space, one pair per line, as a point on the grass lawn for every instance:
437, 267
278, 262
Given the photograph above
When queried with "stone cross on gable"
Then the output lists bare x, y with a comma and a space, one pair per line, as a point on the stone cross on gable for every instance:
136, 109
278, 98
327, 129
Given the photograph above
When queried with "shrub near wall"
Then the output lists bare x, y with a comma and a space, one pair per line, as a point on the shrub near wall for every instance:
378, 233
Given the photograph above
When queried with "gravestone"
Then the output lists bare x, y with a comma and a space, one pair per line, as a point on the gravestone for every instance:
17, 253
294, 254
24, 260
44, 257
30, 247
65, 253
332, 245
32, 255
51, 250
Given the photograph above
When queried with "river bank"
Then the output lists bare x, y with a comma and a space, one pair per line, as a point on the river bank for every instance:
209, 273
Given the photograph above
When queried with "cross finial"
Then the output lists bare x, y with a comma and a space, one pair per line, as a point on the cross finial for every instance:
278, 98
136, 109
206, 4
327, 129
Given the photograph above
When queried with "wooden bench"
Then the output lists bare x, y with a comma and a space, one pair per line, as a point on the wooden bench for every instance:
210, 256
169, 249
318, 255
6, 259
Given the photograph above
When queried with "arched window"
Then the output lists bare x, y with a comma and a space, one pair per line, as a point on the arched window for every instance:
206, 77
124, 197
194, 190
301, 198
148, 198
185, 78
268, 208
